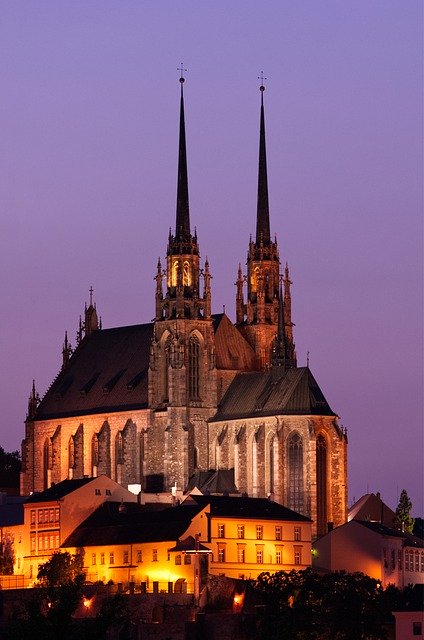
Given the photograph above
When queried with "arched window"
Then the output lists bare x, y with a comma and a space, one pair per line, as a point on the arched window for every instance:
271, 465
174, 279
71, 452
295, 456
167, 362
119, 448
186, 274
194, 368
47, 461
255, 279
321, 485
95, 451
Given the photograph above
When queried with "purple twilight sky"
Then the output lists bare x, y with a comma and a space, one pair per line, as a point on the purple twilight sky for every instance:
89, 122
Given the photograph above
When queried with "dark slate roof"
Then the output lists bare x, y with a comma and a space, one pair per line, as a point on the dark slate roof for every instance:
241, 507
409, 540
295, 392
107, 372
130, 522
220, 481
232, 350
58, 491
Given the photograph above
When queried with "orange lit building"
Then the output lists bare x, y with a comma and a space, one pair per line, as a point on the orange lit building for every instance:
50, 516
158, 547
383, 553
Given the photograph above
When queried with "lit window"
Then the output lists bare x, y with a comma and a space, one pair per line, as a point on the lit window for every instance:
32, 544
221, 531
178, 559
240, 531
32, 516
154, 555
102, 558
259, 532
51, 515
297, 556
297, 533
56, 514
259, 556
278, 533
40, 516
241, 554
417, 561
51, 542
278, 557
111, 558
46, 515
93, 558
57, 541
221, 554
126, 557
187, 558
139, 556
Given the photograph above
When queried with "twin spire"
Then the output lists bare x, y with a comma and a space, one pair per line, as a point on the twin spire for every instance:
262, 218
182, 227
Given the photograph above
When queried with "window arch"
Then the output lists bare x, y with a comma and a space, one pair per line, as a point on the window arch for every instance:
174, 278
194, 368
295, 456
119, 448
321, 464
47, 461
71, 452
167, 362
186, 274
271, 453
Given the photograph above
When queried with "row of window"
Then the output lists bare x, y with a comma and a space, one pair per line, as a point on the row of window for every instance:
297, 533
98, 492
46, 542
241, 556
414, 560
45, 516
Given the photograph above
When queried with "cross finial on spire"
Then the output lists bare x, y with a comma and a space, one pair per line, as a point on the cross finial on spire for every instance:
262, 78
91, 290
181, 70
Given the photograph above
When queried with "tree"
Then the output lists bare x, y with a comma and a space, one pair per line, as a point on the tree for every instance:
10, 466
7, 554
403, 519
304, 604
62, 569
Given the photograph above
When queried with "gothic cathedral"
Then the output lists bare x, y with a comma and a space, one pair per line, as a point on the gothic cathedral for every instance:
191, 399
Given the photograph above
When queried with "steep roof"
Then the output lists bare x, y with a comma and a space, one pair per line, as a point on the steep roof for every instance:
370, 507
59, 490
294, 392
219, 481
232, 351
240, 507
107, 372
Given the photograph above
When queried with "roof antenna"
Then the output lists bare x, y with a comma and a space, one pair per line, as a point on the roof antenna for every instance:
307, 358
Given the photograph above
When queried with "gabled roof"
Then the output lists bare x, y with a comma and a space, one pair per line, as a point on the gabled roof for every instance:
59, 490
232, 350
129, 522
241, 507
295, 392
409, 540
107, 372
370, 507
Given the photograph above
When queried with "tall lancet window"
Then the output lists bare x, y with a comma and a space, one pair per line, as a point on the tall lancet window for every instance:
272, 465
186, 274
94, 454
47, 462
295, 454
167, 362
322, 516
71, 453
194, 368
119, 448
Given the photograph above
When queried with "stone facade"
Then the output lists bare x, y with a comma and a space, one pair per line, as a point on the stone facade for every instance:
142, 404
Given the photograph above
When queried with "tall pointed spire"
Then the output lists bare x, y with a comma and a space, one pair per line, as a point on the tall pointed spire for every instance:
262, 220
182, 225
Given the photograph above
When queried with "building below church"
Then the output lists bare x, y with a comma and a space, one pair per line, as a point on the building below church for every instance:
154, 404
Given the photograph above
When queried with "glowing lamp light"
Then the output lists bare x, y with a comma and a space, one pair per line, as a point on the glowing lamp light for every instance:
86, 603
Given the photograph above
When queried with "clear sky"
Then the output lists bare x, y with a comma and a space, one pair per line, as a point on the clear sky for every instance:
88, 160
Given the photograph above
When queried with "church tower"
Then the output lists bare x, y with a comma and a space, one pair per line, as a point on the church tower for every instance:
182, 374
257, 319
